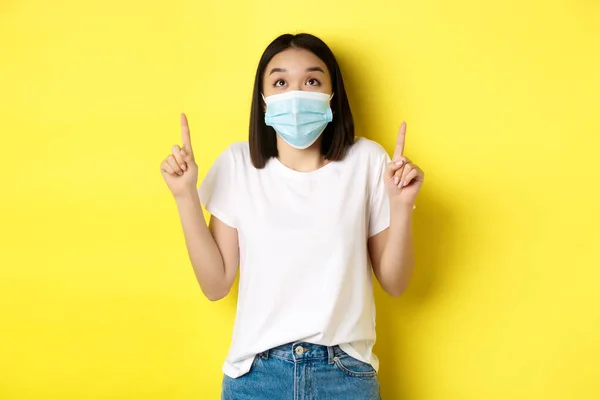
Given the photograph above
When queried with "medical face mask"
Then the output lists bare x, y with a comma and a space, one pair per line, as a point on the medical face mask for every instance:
298, 117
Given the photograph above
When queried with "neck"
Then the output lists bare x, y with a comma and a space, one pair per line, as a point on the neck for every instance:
305, 160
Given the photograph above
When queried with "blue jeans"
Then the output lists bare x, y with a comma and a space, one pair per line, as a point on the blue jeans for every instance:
304, 371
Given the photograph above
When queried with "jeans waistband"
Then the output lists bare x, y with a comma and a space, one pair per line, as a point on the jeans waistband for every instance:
298, 351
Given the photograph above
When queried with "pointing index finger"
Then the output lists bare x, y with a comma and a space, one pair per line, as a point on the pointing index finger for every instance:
399, 151
186, 141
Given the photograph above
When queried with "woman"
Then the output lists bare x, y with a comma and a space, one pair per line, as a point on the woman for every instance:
306, 210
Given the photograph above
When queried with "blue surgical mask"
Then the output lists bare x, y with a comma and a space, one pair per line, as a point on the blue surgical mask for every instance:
298, 117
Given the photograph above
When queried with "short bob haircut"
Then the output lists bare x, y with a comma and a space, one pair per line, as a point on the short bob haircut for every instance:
339, 133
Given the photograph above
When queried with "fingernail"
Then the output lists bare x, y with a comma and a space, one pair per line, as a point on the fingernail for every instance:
396, 180
401, 185
399, 162
405, 183
183, 153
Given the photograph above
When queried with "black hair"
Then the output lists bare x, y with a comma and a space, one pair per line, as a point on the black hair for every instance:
339, 133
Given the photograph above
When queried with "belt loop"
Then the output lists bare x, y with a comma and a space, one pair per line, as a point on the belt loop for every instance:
330, 355
265, 355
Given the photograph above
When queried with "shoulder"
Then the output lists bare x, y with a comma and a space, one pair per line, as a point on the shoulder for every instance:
368, 157
364, 148
233, 159
237, 153
238, 150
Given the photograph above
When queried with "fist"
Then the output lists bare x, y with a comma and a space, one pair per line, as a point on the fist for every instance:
179, 169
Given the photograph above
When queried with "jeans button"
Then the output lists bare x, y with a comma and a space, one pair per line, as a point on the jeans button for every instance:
299, 350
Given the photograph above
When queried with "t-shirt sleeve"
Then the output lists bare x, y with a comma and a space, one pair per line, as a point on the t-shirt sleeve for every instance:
379, 203
216, 191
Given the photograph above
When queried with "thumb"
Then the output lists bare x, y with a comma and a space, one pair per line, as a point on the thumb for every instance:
391, 169
187, 154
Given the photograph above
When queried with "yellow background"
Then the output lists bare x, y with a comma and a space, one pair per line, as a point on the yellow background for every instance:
97, 297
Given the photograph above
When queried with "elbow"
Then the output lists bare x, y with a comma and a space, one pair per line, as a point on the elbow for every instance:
399, 284
213, 297
397, 290
215, 294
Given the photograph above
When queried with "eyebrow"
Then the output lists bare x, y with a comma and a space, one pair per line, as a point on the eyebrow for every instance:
310, 69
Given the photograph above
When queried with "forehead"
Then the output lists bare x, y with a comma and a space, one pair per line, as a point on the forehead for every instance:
291, 59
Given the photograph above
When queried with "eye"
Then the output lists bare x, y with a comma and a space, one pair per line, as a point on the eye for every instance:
279, 83
313, 82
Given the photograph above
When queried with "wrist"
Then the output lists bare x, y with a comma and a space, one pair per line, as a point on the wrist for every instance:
187, 195
401, 206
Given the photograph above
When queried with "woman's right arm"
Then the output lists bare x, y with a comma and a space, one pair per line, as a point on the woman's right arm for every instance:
213, 250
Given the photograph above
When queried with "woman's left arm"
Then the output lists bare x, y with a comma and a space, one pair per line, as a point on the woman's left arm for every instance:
392, 251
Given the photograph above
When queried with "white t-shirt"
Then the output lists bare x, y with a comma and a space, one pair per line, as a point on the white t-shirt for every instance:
305, 273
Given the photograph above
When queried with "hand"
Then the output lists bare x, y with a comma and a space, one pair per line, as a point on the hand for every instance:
403, 177
179, 169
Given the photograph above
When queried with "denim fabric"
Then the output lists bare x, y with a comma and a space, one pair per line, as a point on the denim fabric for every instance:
304, 371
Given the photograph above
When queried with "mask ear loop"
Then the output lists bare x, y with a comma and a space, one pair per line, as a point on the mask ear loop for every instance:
331, 97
